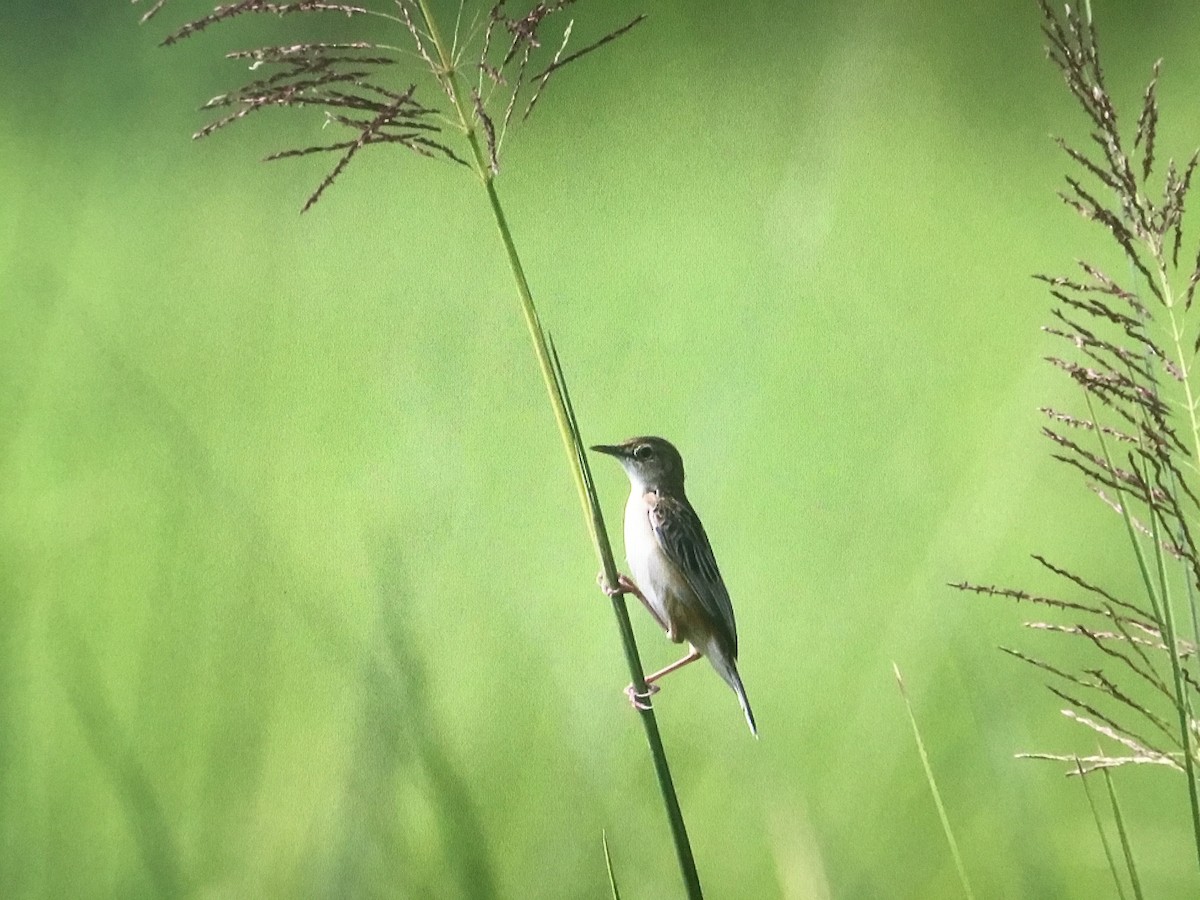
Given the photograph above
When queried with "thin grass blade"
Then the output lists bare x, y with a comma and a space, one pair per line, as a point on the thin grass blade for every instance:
608, 864
933, 789
1126, 849
1108, 854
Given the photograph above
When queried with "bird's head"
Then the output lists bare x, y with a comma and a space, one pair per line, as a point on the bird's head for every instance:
650, 462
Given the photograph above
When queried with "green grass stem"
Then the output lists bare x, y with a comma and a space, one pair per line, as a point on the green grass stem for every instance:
933, 789
1160, 602
1108, 854
1126, 849
608, 864
555, 383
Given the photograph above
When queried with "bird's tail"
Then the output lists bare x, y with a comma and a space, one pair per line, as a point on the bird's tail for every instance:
727, 669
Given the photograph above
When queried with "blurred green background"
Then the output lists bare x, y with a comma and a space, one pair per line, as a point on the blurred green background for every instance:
295, 595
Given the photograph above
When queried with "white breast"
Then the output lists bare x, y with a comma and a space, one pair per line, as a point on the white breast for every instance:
643, 554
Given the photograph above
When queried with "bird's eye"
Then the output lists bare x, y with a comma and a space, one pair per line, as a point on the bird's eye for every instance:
645, 451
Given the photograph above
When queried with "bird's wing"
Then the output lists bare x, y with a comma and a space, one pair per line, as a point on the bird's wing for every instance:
681, 536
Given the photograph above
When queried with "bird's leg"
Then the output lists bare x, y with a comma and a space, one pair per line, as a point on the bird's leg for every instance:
690, 658
625, 585
641, 700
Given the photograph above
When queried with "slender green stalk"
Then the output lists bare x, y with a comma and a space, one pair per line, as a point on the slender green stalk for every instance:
576, 455
1182, 698
1182, 361
612, 876
1160, 602
933, 789
1126, 849
1112, 863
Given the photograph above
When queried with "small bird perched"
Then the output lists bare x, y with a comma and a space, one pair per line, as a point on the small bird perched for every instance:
674, 570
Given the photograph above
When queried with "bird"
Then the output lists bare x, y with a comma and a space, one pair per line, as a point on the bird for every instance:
675, 573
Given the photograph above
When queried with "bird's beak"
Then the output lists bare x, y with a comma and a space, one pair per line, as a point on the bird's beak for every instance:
611, 449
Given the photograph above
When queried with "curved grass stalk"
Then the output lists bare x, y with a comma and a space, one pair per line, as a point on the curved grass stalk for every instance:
554, 381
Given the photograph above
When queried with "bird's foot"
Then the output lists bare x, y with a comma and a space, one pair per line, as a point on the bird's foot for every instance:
624, 585
641, 700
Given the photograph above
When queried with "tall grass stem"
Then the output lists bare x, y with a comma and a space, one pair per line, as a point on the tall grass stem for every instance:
1160, 602
576, 455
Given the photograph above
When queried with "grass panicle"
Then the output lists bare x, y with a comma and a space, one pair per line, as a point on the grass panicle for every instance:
1130, 346
507, 61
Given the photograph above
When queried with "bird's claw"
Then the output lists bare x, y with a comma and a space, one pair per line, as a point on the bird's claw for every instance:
609, 591
624, 585
640, 700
